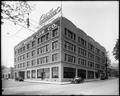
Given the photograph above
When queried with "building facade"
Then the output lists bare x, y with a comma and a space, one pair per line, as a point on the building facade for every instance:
59, 51
8, 73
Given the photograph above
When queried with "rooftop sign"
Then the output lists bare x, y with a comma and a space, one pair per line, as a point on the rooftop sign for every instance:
49, 15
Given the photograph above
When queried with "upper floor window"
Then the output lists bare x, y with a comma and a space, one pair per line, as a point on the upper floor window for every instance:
28, 46
81, 51
98, 51
55, 32
70, 34
33, 43
90, 56
47, 36
33, 62
82, 41
24, 48
70, 58
38, 40
33, 53
91, 64
43, 38
54, 45
90, 47
70, 46
82, 61
28, 63
28, 54
55, 57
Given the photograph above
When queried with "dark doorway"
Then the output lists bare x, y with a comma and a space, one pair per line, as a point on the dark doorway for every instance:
22, 74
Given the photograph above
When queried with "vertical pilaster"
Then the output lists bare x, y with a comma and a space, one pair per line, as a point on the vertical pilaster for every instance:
86, 74
76, 73
50, 73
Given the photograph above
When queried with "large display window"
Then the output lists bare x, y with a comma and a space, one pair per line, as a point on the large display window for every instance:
81, 73
90, 75
55, 73
69, 72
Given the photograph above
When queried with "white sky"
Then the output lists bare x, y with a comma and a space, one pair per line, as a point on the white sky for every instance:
99, 19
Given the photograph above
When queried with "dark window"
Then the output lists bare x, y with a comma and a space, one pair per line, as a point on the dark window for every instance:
43, 38
39, 73
90, 75
55, 32
55, 57
54, 45
69, 72
55, 72
33, 43
47, 36
38, 40
28, 63
28, 46
81, 73
33, 62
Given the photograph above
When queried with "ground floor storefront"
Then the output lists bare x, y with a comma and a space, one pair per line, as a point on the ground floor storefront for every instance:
60, 72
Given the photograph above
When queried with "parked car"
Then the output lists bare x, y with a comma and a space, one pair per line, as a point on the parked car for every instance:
78, 80
19, 79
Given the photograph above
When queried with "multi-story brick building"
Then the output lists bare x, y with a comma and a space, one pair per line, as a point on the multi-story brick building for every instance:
59, 51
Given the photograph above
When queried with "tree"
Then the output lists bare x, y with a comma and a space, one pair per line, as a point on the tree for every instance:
16, 11
3, 67
116, 50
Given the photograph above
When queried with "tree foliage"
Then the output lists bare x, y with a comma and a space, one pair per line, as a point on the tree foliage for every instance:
116, 50
16, 11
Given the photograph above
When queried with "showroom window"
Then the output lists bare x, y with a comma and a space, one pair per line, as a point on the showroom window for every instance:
69, 72
33, 73
55, 72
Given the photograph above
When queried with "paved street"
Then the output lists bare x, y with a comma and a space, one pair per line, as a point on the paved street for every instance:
104, 87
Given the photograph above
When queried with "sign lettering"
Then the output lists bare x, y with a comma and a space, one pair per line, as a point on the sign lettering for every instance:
49, 15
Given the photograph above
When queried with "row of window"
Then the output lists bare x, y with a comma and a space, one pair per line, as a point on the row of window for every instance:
43, 73
82, 42
82, 61
70, 34
39, 40
71, 73
41, 60
81, 51
70, 58
90, 64
70, 46
43, 49
90, 56
40, 50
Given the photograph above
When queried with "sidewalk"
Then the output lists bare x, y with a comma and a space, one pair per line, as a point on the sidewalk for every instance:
63, 83
47, 82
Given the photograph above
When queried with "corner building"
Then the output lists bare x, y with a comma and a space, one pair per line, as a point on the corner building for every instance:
59, 51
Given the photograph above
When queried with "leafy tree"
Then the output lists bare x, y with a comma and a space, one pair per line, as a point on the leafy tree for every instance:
16, 11
3, 67
116, 50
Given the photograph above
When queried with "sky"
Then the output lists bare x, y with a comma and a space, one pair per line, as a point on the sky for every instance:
98, 19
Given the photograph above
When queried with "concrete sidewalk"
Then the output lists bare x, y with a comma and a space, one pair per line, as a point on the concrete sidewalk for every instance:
62, 83
47, 82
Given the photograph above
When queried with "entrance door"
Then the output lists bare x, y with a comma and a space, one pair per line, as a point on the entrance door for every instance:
22, 74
